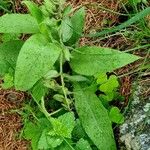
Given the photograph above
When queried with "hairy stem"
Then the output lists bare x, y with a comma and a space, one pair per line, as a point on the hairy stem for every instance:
62, 81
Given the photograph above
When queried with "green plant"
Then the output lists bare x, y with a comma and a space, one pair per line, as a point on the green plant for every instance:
60, 76
135, 2
4, 6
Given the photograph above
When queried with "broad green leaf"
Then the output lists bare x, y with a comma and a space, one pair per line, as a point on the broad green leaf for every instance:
77, 21
36, 58
18, 23
83, 145
91, 60
34, 10
8, 55
116, 116
94, 118
66, 29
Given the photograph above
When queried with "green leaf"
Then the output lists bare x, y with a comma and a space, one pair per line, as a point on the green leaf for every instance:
98, 59
66, 29
108, 96
8, 81
83, 145
42, 143
78, 131
67, 54
77, 21
76, 78
36, 58
94, 118
116, 116
63, 126
18, 23
8, 55
54, 141
110, 85
34, 131
58, 97
67, 10
66, 145
10, 37
38, 91
47, 142
51, 74
34, 10
30, 130
102, 78
50, 6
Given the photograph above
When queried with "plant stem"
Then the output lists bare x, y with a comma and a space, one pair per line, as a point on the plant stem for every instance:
62, 80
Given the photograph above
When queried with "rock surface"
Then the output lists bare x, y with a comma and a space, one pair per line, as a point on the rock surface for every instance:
135, 132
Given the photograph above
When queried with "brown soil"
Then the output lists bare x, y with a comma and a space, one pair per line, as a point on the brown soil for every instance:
10, 123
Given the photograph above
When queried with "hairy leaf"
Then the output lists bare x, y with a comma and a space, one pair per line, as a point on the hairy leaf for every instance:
94, 118
91, 60
36, 58
8, 55
18, 23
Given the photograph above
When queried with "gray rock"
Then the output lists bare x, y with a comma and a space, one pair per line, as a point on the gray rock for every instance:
135, 132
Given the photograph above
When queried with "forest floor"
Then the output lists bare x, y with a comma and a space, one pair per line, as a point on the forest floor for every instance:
100, 14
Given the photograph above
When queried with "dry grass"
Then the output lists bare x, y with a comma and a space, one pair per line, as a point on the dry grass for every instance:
10, 123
